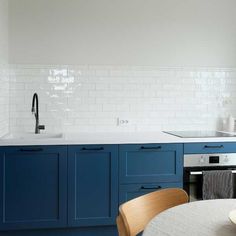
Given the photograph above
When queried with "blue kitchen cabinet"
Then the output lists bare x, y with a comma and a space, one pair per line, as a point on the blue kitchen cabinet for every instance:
33, 187
150, 163
78, 188
92, 185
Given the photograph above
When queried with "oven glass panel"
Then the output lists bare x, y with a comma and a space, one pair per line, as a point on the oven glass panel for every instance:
195, 187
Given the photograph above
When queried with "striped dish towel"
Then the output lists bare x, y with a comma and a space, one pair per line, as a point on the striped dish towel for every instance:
217, 184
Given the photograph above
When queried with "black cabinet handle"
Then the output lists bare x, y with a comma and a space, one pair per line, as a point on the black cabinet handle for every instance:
219, 146
151, 187
150, 148
31, 150
92, 149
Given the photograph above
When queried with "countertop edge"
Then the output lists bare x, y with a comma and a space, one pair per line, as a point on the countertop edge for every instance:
112, 138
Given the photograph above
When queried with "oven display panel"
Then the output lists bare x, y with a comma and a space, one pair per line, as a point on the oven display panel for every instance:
214, 159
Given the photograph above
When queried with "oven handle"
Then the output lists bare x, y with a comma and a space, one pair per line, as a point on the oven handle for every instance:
200, 172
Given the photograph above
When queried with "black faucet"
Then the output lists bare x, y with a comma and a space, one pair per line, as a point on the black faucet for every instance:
36, 113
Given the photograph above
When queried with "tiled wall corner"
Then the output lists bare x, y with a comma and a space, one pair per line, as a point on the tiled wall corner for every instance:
4, 100
91, 98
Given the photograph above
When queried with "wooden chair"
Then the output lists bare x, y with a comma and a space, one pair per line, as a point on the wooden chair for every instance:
135, 214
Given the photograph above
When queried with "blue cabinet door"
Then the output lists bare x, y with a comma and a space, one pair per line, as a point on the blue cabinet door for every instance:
33, 187
151, 163
92, 185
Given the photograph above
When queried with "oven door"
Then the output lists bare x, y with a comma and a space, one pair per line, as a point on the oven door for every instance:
193, 180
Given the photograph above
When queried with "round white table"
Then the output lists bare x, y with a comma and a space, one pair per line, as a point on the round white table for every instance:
201, 218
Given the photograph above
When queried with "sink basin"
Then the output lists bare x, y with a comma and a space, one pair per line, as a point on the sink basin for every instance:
33, 136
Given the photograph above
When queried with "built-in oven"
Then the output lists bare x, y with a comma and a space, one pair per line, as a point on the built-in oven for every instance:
194, 164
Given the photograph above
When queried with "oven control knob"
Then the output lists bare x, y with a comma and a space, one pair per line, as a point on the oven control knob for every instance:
202, 160
226, 159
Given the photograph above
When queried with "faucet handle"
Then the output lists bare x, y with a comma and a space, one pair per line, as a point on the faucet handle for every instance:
41, 127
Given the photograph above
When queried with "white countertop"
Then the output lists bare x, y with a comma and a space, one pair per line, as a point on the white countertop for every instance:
110, 138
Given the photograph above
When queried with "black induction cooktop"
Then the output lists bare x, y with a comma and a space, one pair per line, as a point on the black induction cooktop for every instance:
199, 134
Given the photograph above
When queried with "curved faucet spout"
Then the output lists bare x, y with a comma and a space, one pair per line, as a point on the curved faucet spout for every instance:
35, 98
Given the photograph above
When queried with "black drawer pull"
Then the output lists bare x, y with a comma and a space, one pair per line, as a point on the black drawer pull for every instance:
92, 149
219, 146
150, 148
31, 150
151, 187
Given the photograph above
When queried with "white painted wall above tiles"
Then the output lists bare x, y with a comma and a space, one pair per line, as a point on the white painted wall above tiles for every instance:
123, 32
91, 98
4, 82
3, 31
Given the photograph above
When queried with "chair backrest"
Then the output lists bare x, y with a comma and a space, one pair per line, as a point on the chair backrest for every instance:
135, 214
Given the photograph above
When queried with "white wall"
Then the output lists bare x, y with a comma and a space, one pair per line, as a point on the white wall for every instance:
4, 80
123, 38
133, 32
3, 31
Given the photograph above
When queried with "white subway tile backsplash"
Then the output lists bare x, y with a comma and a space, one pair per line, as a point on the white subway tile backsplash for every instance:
4, 100
91, 98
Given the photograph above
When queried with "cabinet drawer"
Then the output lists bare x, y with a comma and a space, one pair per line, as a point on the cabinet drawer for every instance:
191, 148
151, 163
130, 191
